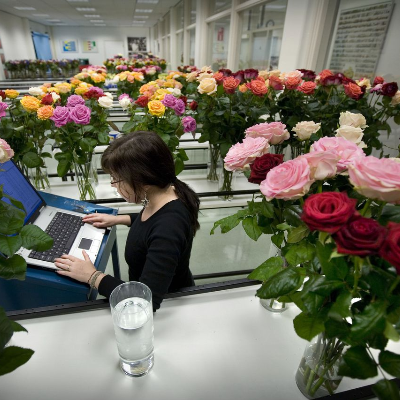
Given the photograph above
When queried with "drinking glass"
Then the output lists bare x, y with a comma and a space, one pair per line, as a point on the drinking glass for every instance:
132, 313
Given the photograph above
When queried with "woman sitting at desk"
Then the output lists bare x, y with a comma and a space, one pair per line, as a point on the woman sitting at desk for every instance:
160, 237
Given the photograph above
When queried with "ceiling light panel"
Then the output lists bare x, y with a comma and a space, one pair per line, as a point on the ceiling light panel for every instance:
99, 21
53, 20
78, 1
138, 22
100, 25
85, 9
148, 1
25, 8
143, 10
141, 16
92, 16
40, 15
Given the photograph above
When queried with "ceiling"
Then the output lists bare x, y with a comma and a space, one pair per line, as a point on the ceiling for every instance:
137, 13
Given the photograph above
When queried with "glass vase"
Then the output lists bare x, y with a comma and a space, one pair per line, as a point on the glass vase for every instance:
273, 305
39, 178
214, 163
317, 374
226, 183
86, 179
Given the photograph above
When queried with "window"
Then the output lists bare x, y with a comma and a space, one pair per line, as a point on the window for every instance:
192, 46
218, 36
192, 11
179, 48
218, 6
180, 16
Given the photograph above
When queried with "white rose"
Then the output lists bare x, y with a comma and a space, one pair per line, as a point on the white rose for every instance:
352, 134
105, 102
124, 103
305, 129
176, 76
349, 119
364, 82
208, 85
36, 91
151, 71
395, 99
191, 77
55, 96
109, 95
175, 91
115, 79
205, 68
203, 76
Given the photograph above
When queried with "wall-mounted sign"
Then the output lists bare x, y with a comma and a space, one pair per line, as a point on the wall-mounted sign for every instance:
89, 46
69, 46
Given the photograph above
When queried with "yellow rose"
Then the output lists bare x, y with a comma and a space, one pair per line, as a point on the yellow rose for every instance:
45, 112
156, 108
81, 90
63, 87
75, 82
53, 89
98, 78
30, 103
160, 94
208, 86
122, 76
11, 93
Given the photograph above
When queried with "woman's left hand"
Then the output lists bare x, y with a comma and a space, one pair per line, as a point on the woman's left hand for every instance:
74, 267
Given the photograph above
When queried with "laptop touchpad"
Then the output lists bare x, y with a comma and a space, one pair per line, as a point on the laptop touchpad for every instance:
85, 244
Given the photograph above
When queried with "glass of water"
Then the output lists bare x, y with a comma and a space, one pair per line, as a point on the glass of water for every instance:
132, 312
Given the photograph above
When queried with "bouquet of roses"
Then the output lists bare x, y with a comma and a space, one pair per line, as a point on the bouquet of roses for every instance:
95, 75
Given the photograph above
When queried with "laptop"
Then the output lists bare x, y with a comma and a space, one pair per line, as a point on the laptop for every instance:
69, 233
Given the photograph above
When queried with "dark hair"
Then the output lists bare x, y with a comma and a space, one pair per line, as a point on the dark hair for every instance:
142, 158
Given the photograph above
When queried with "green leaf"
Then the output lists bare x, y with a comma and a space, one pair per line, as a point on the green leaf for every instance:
292, 215
17, 327
323, 286
390, 332
32, 160
297, 234
307, 326
356, 363
312, 302
335, 268
251, 228
390, 213
14, 202
386, 390
337, 329
293, 298
13, 267
277, 239
6, 329
128, 126
226, 224
12, 219
267, 209
283, 227
34, 238
390, 362
10, 244
300, 253
341, 307
178, 166
396, 119
267, 269
284, 282
63, 167
45, 154
13, 357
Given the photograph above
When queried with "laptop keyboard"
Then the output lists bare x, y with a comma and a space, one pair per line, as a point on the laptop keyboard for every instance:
63, 228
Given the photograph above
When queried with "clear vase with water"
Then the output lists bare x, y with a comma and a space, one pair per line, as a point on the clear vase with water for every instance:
39, 178
87, 179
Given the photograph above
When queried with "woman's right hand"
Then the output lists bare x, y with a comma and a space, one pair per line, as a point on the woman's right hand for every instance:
100, 220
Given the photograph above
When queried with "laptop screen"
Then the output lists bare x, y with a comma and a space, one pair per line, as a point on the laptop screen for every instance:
16, 185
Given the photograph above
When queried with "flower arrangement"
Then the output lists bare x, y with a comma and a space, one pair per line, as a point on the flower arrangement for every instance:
13, 266
112, 63
334, 214
161, 110
95, 75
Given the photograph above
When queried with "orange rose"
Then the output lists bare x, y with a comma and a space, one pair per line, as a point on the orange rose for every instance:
30, 103
243, 88
230, 84
45, 112
292, 83
307, 87
325, 73
353, 90
219, 77
257, 87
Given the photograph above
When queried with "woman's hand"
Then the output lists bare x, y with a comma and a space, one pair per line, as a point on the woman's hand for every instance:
74, 267
100, 220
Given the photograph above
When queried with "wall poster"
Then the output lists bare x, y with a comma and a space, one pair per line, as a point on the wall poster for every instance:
137, 44
359, 39
89, 46
69, 46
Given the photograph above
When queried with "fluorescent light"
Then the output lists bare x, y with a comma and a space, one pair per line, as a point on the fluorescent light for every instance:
138, 22
78, 1
92, 16
99, 25
142, 10
97, 20
147, 1
53, 20
85, 9
142, 16
40, 15
24, 8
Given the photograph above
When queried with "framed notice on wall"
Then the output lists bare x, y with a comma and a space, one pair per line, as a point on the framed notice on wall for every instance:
137, 44
359, 39
89, 46
69, 46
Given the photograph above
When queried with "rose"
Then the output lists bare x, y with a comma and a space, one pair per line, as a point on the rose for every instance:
30, 103
36, 91
60, 116
347, 152
390, 249
105, 102
189, 124
328, 211
243, 88
47, 100
351, 119
323, 75
204, 75
193, 105
378, 80
274, 132
240, 155
376, 178
389, 89
262, 165
169, 101
182, 97
323, 164
360, 236
275, 82
80, 114
305, 129
250, 73
208, 86
75, 100
395, 99
230, 84
257, 87
179, 107
330, 80
219, 77
142, 101
45, 112
3, 108
364, 82
292, 83
2, 95
63, 87
353, 91
352, 134
125, 102
55, 96
156, 108
6, 152
288, 181
307, 87
94, 92
191, 77
11, 93
308, 74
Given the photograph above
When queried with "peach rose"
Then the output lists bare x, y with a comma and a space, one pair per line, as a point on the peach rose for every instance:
275, 82
45, 112
353, 91
219, 77
257, 87
274, 132
305, 129
230, 84
208, 86
243, 88
376, 178
30, 103
307, 87
395, 99
292, 83
6, 152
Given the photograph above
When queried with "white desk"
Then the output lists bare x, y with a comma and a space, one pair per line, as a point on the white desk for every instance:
220, 345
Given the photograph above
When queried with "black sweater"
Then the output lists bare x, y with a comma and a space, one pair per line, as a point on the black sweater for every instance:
157, 252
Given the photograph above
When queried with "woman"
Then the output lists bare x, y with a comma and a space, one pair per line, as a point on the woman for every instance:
160, 237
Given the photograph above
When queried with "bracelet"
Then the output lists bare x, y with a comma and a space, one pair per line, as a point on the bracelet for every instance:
94, 278
88, 281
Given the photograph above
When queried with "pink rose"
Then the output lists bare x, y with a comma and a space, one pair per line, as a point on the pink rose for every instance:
323, 164
3, 108
376, 178
80, 114
240, 155
6, 152
274, 132
288, 181
347, 151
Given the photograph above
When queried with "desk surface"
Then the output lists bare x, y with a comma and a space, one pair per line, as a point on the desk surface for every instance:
220, 345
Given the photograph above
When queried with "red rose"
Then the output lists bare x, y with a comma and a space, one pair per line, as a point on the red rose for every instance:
142, 101
308, 74
262, 165
184, 99
2, 95
47, 100
230, 84
378, 81
360, 237
390, 250
328, 211
389, 89
193, 105
219, 77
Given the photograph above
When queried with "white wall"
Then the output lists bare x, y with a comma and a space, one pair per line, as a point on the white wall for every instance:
16, 37
99, 34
